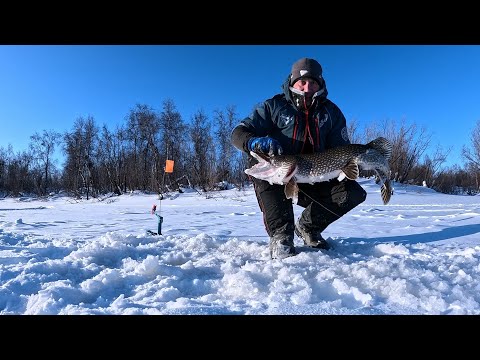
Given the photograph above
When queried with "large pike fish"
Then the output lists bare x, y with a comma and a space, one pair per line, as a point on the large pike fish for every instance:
340, 162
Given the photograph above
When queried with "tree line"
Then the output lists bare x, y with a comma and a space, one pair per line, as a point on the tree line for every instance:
99, 160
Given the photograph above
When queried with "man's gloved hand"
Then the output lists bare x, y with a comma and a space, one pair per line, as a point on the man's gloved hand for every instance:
265, 145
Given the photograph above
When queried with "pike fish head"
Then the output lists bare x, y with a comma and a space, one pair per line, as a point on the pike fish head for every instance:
275, 170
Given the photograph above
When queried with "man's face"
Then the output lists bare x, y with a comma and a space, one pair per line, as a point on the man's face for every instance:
308, 85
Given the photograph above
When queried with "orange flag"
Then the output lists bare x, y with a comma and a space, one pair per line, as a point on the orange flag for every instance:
169, 166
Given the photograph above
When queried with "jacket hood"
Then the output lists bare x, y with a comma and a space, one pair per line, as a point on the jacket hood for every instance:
320, 97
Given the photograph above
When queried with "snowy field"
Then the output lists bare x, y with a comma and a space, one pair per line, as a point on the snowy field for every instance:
417, 255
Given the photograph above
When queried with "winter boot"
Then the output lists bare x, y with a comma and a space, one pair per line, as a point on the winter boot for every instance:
311, 239
281, 246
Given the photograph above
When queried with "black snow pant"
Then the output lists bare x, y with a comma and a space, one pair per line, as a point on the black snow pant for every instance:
324, 203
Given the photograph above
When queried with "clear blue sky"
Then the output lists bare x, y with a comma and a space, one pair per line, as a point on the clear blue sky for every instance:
48, 87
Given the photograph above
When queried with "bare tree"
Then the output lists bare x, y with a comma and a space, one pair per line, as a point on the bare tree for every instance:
110, 156
203, 150
224, 124
19, 175
3, 171
173, 138
353, 132
408, 146
133, 173
431, 166
472, 153
145, 125
79, 147
43, 148
457, 181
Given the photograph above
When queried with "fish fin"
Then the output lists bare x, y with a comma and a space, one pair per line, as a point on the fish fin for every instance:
386, 191
383, 146
351, 170
292, 170
291, 191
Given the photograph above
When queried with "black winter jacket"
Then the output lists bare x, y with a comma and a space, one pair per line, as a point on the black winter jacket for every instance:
279, 118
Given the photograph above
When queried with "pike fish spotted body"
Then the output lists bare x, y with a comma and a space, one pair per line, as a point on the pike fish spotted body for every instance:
340, 162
